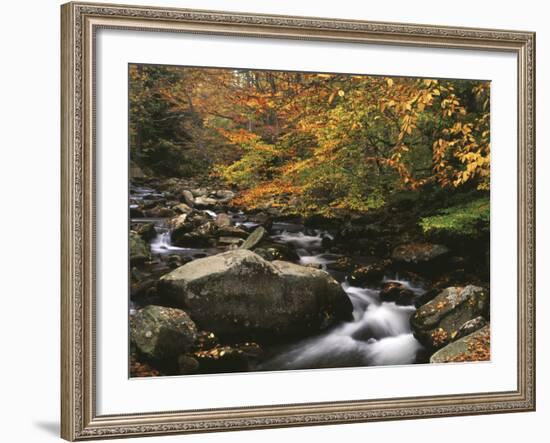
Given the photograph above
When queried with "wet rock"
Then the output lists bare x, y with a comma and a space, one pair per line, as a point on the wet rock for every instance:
160, 212
136, 213
183, 208
188, 364
172, 203
238, 293
342, 264
232, 231
456, 277
276, 251
397, 292
143, 288
471, 326
223, 220
253, 239
171, 184
139, 250
180, 223
199, 192
202, 236
150, 204
472, 347
436, 323
147, 231
175, 260
230, 241
187, 197
161, 333
369, 274
182, 227
262, 219
224, 196
205, 202
418, 253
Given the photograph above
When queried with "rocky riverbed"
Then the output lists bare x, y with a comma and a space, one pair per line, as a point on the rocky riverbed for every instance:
214, 288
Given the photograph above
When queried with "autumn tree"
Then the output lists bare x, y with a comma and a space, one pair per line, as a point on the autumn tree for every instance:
313, 143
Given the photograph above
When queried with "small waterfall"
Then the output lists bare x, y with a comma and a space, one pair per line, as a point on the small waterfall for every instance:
299, 240
379, 334
417, 289
322, 259
307, 246
162, 244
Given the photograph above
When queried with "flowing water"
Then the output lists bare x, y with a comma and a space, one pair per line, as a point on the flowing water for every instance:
378, 334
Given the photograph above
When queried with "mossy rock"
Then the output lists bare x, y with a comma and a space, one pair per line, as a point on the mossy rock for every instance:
438, 322
139, 249
162, 333
239, 294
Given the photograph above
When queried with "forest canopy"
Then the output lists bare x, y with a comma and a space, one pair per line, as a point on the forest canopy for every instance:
314, 143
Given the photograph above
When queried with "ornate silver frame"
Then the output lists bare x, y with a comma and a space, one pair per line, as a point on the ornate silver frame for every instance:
79, 420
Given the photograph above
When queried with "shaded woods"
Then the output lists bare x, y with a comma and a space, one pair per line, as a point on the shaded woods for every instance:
365, 196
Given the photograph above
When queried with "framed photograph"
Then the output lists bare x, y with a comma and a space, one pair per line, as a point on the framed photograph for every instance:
282, 221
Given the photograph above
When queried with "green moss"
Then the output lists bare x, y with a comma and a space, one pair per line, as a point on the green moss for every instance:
469, 219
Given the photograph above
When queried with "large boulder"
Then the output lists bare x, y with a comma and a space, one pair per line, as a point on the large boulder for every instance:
473, 347
238, 293
162, 333
438, 322
139, 249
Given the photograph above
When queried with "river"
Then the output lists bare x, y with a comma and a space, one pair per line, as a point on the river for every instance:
378, 334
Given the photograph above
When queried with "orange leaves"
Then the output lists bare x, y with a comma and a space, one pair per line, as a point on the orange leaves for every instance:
239, 136
439, 337
257, 196
335, 140
479, 348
